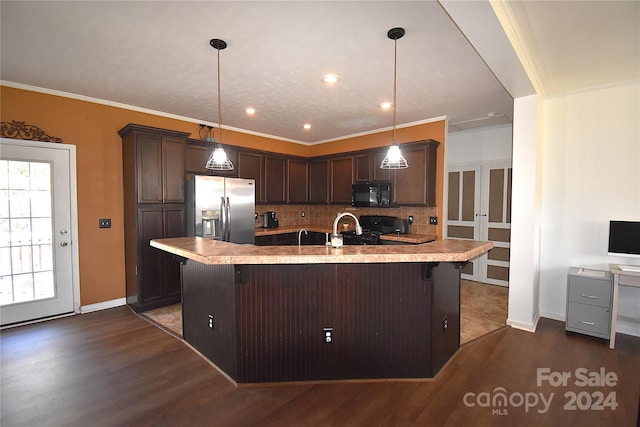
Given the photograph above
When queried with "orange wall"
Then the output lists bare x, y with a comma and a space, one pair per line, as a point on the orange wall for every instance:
93, 129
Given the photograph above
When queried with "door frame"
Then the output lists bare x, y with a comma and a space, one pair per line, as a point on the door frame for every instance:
73, 207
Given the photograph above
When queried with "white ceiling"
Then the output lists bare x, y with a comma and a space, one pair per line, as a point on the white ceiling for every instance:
155, 55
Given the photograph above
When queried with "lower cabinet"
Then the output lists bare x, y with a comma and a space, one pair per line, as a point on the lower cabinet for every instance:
156, 282
589, 299
266, 323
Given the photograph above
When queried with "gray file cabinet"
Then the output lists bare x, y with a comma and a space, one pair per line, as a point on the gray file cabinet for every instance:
589, 298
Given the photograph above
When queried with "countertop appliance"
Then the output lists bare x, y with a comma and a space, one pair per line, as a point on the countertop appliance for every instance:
221, 208
401, 226
371, 194
269, 220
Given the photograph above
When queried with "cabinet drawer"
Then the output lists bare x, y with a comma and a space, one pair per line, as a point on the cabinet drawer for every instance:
589, 319
585, 290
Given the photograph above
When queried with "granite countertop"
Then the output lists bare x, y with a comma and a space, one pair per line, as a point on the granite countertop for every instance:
405, 238
208, 251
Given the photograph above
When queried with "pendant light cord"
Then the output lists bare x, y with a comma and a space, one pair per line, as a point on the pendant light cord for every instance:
395, 66
219, 108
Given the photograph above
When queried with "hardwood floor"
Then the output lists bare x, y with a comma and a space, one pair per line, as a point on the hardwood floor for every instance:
113, 368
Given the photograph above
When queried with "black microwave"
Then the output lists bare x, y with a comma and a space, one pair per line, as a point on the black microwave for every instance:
371, 194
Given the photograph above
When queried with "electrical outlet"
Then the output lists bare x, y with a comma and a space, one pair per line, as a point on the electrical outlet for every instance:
433, 220
104, 223
328, 335
410, 219
302, 214
211, 321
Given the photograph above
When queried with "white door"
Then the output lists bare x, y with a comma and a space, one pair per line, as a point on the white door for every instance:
479, 208
38, 231
495, 222
463, 220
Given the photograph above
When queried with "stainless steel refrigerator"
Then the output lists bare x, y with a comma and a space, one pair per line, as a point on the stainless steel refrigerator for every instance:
221, 208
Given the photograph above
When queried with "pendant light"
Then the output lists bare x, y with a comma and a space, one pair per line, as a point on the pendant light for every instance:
218, 159
394, 158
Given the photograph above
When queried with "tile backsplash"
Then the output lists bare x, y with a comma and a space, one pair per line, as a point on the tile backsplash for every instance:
289, 215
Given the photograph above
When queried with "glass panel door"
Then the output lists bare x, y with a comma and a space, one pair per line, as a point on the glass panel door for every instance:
36, 266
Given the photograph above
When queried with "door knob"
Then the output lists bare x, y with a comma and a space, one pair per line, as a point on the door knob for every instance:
63, 232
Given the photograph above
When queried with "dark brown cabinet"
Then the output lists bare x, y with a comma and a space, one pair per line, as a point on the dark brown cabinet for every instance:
319, 181
160, 166
251, 166
154, 180
416, 185
341, 179
275, 179
362, 165
160, 272
297, 179
196, 156
367, 166
378, 174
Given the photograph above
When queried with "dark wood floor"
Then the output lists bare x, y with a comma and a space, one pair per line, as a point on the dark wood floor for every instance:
113, 368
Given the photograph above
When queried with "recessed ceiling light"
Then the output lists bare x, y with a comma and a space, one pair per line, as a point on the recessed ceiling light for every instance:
330, 78
250, 111
307, 126
386, 105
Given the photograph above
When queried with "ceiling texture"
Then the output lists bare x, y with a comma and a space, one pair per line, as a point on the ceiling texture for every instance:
454, 61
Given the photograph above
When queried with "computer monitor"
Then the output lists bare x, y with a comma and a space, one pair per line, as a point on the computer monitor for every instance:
624, 238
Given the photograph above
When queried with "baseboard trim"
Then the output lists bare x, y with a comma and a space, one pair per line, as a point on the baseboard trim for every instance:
103, 305
525, 326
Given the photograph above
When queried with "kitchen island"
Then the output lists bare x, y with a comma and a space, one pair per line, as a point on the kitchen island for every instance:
302, 313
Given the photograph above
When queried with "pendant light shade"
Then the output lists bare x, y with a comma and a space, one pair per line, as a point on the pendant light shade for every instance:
218, 159
394, 158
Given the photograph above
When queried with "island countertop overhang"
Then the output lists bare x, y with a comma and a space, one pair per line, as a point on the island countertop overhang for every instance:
208, 251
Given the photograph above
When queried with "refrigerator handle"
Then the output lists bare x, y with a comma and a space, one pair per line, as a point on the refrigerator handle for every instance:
228, 230
223, 219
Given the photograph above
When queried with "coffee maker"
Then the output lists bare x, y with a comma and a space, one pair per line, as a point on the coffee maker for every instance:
269, 220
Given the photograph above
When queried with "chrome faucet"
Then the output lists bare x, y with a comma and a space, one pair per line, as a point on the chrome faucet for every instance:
300, 234
343, 214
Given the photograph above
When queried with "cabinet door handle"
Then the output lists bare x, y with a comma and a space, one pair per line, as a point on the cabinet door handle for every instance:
589, 296
587, 323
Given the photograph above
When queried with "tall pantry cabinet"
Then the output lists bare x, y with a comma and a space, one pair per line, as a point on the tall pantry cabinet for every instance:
154, 185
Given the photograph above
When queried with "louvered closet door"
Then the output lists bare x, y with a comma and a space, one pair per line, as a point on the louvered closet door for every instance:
495, 223
464, 203
479, 208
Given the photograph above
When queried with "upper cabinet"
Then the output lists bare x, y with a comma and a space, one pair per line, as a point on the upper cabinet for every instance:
362, 167
378, 174
367, 166
341, 179
159, 163
298, 179
275, 179
251, 166
163, 159
319, 181
416, 185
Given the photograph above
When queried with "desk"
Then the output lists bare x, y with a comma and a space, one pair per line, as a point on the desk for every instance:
620, 278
